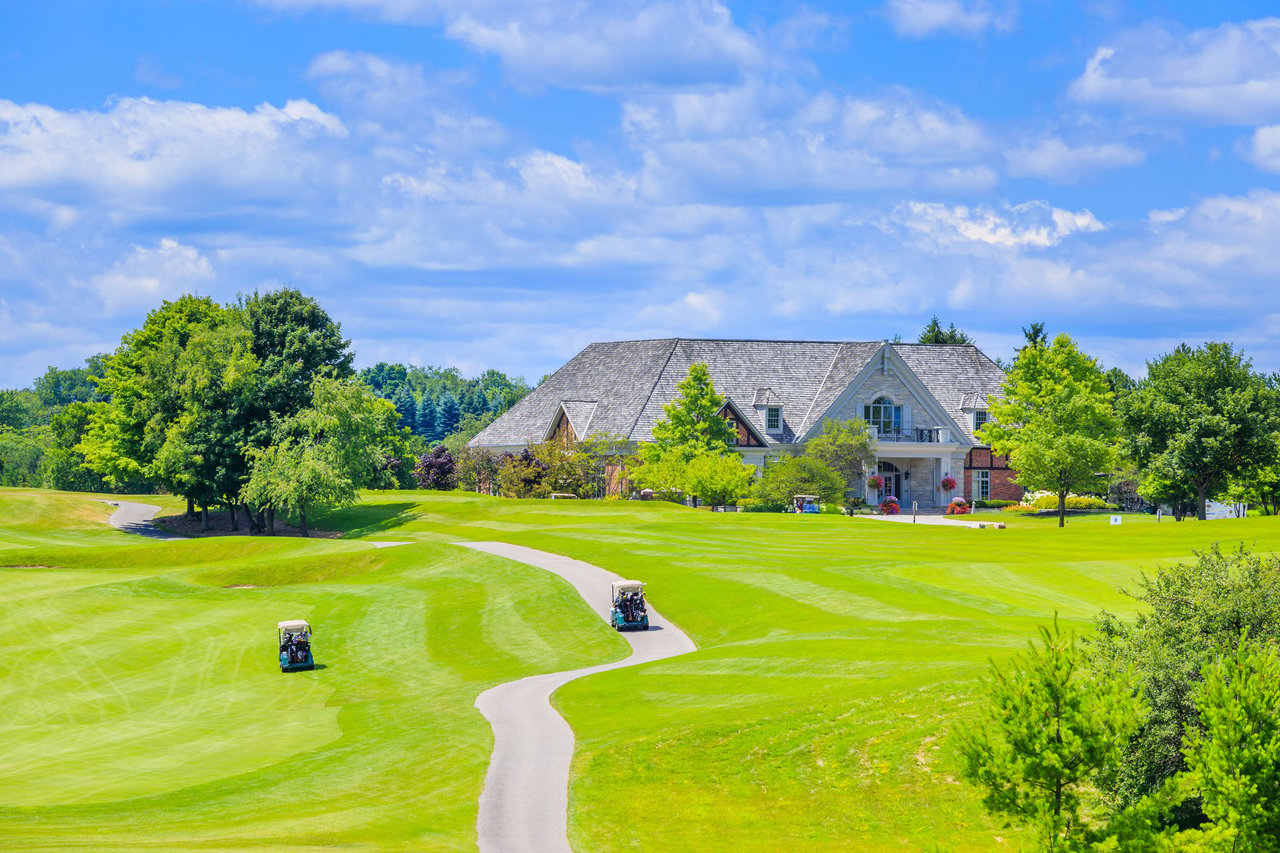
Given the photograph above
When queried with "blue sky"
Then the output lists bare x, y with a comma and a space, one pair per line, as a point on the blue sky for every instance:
496, 183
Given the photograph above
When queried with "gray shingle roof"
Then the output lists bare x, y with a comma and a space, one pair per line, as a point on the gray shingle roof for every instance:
952, 374
629, 382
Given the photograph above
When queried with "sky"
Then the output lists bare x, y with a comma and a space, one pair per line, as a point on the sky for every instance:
497, 183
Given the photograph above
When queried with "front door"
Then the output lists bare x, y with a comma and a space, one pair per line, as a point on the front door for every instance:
892, 482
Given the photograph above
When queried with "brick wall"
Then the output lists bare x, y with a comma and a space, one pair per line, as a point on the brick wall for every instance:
1002, 486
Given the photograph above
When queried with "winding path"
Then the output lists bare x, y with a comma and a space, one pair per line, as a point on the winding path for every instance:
525, 800
136, 518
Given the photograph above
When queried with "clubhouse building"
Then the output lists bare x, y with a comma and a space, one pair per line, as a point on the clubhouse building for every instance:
923, 402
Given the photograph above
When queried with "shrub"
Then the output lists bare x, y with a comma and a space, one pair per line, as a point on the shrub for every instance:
958, 506
890, 506
994, 504
1073, 502
757, 505
832, 509
1020, 509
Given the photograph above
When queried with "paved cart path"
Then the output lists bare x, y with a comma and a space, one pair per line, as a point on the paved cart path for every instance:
136, 518
526, 793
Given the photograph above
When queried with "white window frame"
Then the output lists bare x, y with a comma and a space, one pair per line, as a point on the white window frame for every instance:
982, 488
986, 418
882, 409
773, 418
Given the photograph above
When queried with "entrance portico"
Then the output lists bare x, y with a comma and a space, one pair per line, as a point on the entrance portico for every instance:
913, 471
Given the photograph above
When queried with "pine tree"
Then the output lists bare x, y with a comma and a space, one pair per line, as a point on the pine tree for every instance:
448, 415
426, 423
406, 406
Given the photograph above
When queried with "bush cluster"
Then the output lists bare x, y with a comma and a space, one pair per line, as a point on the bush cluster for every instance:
758, 505
1020, 508
1073, 502
994, 504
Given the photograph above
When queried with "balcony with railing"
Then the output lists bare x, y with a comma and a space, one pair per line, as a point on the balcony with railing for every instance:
918, 435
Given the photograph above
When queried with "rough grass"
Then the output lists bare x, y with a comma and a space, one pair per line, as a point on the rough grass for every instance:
144, 708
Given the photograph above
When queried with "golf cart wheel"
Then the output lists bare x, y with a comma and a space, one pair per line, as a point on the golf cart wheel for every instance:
644, 627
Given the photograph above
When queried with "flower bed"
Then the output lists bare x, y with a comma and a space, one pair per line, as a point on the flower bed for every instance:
958, 506
889, 506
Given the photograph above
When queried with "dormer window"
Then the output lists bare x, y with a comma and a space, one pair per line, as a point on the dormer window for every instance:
773, 419
980, 417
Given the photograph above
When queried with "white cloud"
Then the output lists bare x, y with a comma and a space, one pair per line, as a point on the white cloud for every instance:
1228, 74
1032, 225
920, 18
401, 105
1264, 150
762, 138
597, 46
146, 276
1056, 161
138, 151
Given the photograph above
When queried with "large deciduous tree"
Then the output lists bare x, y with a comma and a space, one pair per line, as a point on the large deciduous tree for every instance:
294, 341
1055, 421
326, 452
1203, 418
126, 436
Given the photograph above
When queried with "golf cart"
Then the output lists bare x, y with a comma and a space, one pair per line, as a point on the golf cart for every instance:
295, 645
628, 606
806, 503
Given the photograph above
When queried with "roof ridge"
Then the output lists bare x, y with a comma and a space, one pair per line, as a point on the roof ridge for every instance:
675, 342
804, 424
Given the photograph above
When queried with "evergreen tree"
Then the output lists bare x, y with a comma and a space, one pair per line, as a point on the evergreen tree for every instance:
425, 426
447, 415
1048, 733
406, 406
933, 333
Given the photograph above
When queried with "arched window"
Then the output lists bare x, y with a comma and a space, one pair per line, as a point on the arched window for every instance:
883, 415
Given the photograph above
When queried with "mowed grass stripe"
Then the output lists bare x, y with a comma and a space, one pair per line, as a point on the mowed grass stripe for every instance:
836, 656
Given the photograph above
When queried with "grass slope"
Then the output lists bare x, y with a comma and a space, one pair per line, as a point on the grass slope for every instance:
144, 709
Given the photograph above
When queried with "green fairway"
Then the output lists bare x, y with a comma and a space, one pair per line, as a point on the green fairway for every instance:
144, 708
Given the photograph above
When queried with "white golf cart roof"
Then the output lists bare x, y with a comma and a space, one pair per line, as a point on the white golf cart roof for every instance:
294, 625
807, 497
627, 586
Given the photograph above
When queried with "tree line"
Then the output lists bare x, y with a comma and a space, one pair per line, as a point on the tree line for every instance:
203, 395
1201, 425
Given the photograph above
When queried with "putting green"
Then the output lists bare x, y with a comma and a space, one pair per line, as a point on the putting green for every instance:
144, 708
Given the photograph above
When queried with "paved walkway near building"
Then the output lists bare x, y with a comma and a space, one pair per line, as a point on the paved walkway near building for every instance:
136, 518
944, 521
526, 792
